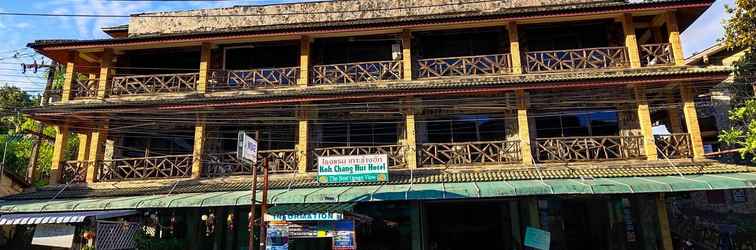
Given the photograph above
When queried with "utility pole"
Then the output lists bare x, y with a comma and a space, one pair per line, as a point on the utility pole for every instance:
264, 207
251, 223
32, 171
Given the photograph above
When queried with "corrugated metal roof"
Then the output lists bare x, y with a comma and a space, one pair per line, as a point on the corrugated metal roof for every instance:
59, 218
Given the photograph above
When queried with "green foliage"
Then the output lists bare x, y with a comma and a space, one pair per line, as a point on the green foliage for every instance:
739, 29
146, 242
11, 100
743, 134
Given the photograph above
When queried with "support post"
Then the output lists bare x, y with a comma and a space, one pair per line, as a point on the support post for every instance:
514, 215
69, 76
83, 151
666, 235
61, 140
304, 61
96, 150
103, 83
514, 48
198, 150
674, 38
691, 120
410, 137
644, 120
630, 40
522, 127
406, 55
673, 113
303, 144
204, 67
416, 220
534, 219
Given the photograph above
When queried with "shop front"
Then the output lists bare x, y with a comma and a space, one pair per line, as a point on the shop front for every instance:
311, 227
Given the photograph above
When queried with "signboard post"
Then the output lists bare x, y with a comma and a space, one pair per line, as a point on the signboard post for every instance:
247, 153
353, 168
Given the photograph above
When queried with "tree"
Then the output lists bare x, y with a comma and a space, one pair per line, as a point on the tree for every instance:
740, 33
11, 100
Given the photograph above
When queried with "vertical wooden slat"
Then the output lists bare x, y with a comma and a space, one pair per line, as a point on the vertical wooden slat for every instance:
674, 38
68, 79
96, 151
407, 55
691, 120
630, 40
514, 47
303, 145
103, 84
199, 147
523, 127
304, 61
644, 119
58, 155
204, 67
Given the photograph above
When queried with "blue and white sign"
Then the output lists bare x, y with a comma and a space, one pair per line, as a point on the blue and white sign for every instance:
305, 217
537, 238
247, 148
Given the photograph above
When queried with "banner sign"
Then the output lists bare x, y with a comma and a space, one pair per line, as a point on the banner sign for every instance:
247, 148
537, 238
54, 235
353, 168
304, 217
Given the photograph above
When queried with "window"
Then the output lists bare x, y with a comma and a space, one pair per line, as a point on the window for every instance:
598, 123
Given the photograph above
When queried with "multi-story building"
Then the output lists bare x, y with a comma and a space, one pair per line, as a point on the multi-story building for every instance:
495, 117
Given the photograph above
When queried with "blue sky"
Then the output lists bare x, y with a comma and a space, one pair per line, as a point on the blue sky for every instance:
16, 31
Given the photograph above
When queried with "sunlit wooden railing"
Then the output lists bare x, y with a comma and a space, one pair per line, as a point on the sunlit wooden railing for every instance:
152, 84
84, 88
253, 78
589, 148
468, 153
356, 72
75, 171
674, 146
576, 59
222, 164
395, 153
656, 54
464, 66
168, 166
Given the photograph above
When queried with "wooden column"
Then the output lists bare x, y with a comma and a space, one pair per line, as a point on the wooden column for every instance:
534, 218
198, 150
96, 150
407, 55
303, 143
69, 76
83, 151
410, 139
673, 113
674, 38
644, 120
666, 235
103, 83
514, 215
630, 40
523, 128
58, 154
416, 221
691, 120
204, 67
514, 48
304, 61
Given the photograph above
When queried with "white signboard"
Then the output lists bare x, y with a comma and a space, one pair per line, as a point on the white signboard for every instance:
54, 235
247, 148
353, 168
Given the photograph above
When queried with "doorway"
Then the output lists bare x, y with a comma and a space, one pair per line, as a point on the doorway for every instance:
325, 243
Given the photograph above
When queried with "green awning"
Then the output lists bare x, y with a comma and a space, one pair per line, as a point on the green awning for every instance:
303, 208
426, 191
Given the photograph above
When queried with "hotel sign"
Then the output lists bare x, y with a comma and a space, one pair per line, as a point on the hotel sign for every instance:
353, 168
305, 217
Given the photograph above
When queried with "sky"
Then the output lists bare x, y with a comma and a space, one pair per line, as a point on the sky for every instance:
17, 31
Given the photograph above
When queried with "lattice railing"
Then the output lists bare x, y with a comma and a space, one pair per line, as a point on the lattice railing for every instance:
146, 167
254, 78
576, 59
75, 171
469, 153
674, 146
84, 88
151, 84
589, 148
656, 54
221, 164
356, 72
395, 153
464, 66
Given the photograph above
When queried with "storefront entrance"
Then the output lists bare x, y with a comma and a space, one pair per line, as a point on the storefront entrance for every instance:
311, 244
467, 225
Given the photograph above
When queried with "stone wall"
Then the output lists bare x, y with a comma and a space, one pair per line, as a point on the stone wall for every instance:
316, 12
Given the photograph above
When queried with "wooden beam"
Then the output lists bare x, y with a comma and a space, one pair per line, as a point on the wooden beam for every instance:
303, 144
410, 140
304, 61
514, 48
58, 154
630, 40
69, 76
204, 67
666, 234
644, 120
523, 127
198, 150
103, 84
674, 38
407, 55
691, 120
96, 151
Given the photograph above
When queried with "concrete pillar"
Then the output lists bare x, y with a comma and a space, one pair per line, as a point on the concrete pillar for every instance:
198, 150
407, 55
410, 136
514, 48
69, 76
630, 40
58, 154
674, 38
691, 120
304, 61
96, 149
644, 119
303, 142
204, 68
103, 84
666, 235
523, 129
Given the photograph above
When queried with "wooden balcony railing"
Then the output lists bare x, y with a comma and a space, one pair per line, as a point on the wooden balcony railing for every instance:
84, 88
674, 146
469, 153
152, 84
253, 78
395, 153
576, 59
464, 66
222, 164
356, 72
168, 166
656, 54
590, 148
75, 171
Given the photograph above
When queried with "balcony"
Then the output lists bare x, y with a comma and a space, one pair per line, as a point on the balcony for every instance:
589, 148
376, 71
223, 164
674, 146
495, 64
468, 153
266, 78
576, 59
84, 88
155, 167
656, 54
154, 84
75, 171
